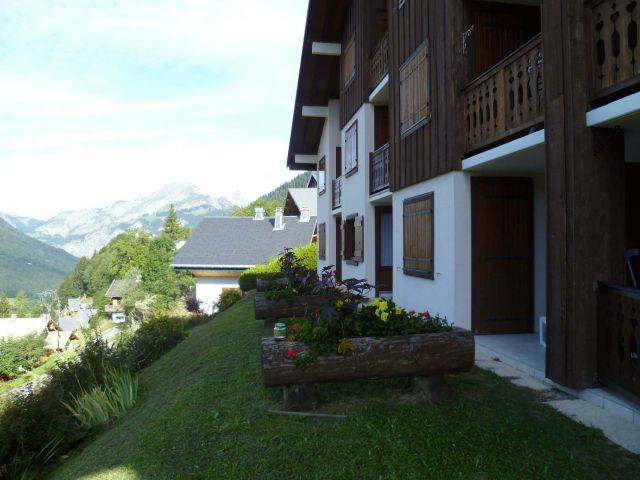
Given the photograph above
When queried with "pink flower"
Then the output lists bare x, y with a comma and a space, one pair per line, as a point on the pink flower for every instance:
291, 353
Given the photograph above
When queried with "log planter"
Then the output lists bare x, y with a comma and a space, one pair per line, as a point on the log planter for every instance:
425, 355
299, 306
263, 285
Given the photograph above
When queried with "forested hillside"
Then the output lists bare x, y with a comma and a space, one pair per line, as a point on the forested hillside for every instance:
138, 257
28, 264
275, 198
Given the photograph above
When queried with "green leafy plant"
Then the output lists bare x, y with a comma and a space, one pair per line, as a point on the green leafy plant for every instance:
105, 402
20, 354
228, 297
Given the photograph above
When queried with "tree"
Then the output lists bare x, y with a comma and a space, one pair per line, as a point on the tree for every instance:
250, 210
22, 305
173, 228
5, 306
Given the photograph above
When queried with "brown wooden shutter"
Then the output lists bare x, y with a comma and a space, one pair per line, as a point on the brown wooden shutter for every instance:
418, 220
349, 61
358, 238
322, 241
414, 89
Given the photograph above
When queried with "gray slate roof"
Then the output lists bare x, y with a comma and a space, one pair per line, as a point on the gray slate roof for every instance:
73, 304
240, 242
116, 289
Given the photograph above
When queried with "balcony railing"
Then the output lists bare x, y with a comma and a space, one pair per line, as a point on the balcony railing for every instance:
379, 62
379, 169
613, 38
506, 99
113, 308
336, 198
619, 337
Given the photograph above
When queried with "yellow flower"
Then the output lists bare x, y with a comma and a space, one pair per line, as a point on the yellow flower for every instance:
384, 317
384, 306
339, 303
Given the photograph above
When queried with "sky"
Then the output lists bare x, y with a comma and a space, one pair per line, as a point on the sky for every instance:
106, 100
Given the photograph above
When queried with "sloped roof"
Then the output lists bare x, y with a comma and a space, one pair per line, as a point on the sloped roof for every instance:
73, 304
20, 327
116, 289
57, 338
304, 197
240, 242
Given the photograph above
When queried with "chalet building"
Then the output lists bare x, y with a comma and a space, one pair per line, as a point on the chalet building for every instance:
482, 160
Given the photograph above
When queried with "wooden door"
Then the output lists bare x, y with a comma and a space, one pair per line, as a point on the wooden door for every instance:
384, 250
339, 248
502, 255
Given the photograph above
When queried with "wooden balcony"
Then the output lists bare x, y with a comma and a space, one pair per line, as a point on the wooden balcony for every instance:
113, 308
612, 34
619, 337
379, 62
379, 170
506, 99
336, 187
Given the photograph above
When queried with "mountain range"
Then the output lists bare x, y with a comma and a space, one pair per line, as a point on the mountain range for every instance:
81, 232
29, 264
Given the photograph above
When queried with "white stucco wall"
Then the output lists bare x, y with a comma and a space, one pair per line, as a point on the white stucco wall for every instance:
449, 293
355, 193
328, 142
208, 290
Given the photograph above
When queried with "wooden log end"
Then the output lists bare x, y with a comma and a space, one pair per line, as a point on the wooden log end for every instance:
300, 398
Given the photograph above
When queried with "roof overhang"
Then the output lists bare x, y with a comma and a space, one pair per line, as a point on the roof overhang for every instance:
227, 268
318, 77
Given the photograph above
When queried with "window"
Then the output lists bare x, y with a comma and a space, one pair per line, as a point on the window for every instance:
351, 149
353, 239
322, 176
322, 241
418, 215
349, 61
414, 91
401, 3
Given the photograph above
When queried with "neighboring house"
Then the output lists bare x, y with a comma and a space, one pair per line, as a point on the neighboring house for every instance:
116, 292
75, 305
72, 324
58, 340
221, 248
21, 327
462, 171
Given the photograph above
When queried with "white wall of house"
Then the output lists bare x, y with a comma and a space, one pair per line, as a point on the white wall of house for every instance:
208, 290
449, 293
355, 193
328, 142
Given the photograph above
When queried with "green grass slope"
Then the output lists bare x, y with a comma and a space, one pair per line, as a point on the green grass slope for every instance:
203, 414
29, 264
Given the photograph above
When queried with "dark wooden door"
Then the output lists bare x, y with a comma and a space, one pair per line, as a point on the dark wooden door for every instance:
502, 255
384, 250
339, 248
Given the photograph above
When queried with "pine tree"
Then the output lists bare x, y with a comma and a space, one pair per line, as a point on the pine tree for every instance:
5, 306
22, 305
173, 228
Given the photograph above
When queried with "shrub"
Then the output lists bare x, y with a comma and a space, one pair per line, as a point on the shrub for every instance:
150, 341
305, 256
228, 297
20, 353
192, 304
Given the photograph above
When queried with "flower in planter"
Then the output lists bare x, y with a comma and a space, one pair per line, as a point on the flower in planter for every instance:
291, 353
384, 316
296, 327
426, 315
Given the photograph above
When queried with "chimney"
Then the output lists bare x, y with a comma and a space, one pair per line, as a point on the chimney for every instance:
259, 213
304, 215
279, 222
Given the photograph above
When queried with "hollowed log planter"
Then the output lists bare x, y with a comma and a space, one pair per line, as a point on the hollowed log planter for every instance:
402, 356
263, 285
299, 306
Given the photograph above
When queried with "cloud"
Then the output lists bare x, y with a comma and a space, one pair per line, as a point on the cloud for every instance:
153, 90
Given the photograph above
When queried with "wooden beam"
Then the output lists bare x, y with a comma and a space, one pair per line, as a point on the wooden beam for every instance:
324, 48
306, 159
315, 111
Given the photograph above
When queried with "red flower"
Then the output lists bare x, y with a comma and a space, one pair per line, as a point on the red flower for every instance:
296, 328
425, 315
291, 353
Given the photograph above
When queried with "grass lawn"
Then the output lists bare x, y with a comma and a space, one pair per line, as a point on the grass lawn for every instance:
51, 362
203, 414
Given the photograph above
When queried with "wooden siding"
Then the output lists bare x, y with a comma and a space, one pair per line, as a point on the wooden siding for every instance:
435, 147
357, 26
585, 195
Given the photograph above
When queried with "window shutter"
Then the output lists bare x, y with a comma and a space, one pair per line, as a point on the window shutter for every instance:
418, 219
358, 240
414, 89
343, 243
322, 241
